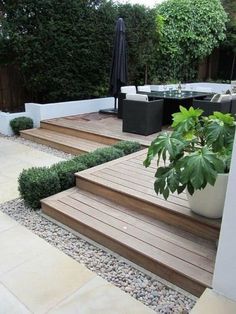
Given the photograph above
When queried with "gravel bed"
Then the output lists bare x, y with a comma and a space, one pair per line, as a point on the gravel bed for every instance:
146, 288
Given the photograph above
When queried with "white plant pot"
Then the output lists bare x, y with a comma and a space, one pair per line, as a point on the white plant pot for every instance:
209, 202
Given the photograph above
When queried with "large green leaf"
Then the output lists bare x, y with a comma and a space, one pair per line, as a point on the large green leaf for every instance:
200, 168
165, 144
220, 131
186, 122
167, 180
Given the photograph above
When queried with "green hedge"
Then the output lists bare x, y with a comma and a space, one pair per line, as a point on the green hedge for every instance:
65, 171
38, 183
21, 123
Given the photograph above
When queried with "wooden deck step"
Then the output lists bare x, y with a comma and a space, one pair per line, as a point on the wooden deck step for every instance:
64, 142
127, 182
180, 257
103, 133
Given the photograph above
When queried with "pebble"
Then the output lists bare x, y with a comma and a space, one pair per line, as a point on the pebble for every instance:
145, 288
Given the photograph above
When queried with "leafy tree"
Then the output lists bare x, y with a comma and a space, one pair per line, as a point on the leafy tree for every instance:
191, 29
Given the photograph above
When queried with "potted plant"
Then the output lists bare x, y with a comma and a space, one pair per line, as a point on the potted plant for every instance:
195, 156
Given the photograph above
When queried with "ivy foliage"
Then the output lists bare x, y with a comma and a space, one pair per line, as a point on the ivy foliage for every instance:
64, 48
190, 30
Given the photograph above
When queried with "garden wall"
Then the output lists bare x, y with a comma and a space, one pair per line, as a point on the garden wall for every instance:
39, 112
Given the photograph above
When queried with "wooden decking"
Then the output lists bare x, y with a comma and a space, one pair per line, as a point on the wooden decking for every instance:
82, 133
129, 183
115, 205
67, 143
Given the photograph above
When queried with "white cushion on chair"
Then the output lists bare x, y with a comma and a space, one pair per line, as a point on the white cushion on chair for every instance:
233, 96
128, 89
221, 97
145, 88
137, 97
224, 98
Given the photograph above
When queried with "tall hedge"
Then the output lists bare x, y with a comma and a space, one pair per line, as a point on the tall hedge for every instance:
64, 48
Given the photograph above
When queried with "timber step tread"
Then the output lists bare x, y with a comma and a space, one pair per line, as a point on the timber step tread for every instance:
127, 181
67, 141
180, 257
95, 129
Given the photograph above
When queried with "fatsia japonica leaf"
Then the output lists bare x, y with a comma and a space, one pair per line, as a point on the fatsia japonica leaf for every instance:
164, 144
200, 168
219, 135
185, 121
167, 180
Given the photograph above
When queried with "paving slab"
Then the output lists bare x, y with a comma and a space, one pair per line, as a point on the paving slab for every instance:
15, 157
35, 277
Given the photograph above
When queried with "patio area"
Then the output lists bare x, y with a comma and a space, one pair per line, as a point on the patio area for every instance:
31, 260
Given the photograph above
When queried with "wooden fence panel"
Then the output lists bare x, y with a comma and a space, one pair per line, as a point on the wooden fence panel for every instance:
12, 94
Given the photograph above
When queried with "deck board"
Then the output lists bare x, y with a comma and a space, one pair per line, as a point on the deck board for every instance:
124, 182
110, 127
61, 141
166, 251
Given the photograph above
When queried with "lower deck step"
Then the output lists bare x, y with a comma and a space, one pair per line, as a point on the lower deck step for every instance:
127, 182
179, 257
67, 143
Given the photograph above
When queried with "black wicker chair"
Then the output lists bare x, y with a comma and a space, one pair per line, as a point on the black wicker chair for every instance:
122, 95
209, 107
142, 117
233, 104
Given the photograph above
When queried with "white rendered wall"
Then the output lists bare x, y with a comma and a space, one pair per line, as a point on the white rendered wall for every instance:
39, 112
5, 119
62, 109
224, 280
201, 87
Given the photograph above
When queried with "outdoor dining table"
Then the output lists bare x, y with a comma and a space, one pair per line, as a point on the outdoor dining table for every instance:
174, 99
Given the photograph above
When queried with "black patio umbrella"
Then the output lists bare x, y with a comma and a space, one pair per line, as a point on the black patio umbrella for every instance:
119, 71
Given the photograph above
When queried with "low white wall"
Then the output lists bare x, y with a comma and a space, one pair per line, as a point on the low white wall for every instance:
62, 109
200, 87
5, 119
39, 112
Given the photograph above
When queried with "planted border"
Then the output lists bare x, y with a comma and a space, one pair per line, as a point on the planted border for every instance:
38, 183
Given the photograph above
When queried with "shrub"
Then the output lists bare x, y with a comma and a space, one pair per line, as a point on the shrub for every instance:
99, 156
66, 170
128, 147
21, 123
36, 184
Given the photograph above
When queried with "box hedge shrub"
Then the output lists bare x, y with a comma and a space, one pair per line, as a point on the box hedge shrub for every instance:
66, 172
128, 147
38, 183
21, 123
99, 156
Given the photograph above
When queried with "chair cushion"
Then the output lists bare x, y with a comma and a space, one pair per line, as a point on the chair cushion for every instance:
224, 98
128, 89
215, 98
221, 97
233, 96
137, 97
